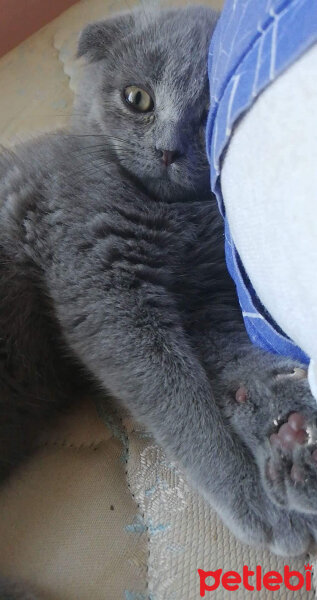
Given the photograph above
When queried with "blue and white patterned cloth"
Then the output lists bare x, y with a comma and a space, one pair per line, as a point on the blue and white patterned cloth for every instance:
254, 41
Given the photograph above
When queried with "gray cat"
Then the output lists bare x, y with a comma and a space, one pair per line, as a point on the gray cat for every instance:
113, 277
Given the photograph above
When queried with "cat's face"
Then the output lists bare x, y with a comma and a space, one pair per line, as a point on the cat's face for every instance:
147, 90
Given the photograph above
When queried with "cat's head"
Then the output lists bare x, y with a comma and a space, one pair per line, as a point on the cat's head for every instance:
146, 90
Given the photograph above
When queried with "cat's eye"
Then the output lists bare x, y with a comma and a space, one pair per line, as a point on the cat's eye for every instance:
138, 99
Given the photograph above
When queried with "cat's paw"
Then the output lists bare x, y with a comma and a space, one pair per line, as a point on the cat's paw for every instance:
275, 414
268, 404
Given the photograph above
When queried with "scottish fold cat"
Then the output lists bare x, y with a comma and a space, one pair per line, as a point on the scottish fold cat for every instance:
113, 277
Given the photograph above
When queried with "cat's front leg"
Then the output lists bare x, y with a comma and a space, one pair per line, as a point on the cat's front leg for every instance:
134, 344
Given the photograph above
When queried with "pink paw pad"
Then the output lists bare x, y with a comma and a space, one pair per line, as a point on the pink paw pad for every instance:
297, 474
241, 394
290, 433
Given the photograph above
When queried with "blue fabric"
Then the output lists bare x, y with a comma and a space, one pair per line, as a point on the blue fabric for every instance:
254, 41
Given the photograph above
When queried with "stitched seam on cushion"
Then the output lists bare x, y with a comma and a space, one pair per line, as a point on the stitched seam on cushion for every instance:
126, 437
120, 432
62, 62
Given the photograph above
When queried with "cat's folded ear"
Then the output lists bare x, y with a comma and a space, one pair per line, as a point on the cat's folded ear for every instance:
97, 38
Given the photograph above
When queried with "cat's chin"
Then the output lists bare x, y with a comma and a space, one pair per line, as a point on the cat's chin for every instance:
171, 185
165, 189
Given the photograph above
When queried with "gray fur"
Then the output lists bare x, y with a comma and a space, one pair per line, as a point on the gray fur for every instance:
113, 274
10, 590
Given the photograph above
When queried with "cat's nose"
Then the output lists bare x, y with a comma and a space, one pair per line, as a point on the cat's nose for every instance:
169, 156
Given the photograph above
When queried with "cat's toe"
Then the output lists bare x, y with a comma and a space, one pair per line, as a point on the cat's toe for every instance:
291, 433
290, 466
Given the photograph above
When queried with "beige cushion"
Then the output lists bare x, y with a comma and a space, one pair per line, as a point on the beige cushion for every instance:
101, 513
65, 516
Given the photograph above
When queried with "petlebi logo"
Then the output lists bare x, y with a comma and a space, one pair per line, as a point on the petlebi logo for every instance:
255, 580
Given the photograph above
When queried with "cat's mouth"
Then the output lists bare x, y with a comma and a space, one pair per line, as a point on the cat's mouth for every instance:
161, 172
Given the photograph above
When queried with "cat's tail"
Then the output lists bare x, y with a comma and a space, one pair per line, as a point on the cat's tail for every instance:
11, 590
